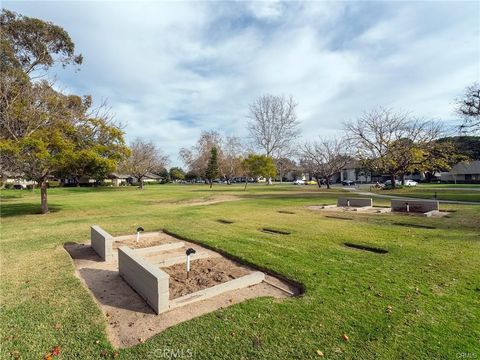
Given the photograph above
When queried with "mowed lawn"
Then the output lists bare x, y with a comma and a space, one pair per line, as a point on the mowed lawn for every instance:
419, 301
459, 192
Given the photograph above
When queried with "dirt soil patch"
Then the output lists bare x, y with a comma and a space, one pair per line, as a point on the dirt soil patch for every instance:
285, 212
131, 321
209, 201
204, 273
146, 240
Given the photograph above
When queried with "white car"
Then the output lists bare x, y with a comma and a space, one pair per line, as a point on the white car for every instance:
299, 182
410, 183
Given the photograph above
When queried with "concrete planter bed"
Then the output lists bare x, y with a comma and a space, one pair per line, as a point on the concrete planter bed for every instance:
427, 208
145, 290
105, 245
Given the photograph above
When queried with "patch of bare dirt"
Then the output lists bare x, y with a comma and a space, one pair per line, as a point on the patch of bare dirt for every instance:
209, 201
204, 273
146, 240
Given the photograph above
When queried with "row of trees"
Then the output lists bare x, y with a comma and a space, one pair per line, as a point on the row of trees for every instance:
46, 133
381, 141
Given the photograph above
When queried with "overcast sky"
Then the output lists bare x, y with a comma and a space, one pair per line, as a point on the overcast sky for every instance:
172, 69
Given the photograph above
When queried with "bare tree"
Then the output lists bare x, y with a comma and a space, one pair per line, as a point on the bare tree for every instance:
231, 165
469, 108
145, 158
386, 141
196, 159
325, 158
273, 124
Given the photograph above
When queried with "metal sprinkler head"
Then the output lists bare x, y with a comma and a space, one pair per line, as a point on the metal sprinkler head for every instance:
189, 252
139, 230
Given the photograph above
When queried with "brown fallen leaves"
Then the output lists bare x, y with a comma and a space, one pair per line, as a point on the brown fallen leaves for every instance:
54, 352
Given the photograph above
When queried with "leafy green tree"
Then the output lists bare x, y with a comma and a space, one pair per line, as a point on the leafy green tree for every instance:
468, 146
177, 173
258, 165
44, 133
212, 168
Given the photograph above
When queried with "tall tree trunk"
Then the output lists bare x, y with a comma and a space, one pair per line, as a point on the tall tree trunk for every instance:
141, 182
269, 182
43, 196
328, 183
211, 183
403, 179
246, 183
319, 183
393, 180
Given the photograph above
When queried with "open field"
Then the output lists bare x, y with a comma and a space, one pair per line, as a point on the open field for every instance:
421, 300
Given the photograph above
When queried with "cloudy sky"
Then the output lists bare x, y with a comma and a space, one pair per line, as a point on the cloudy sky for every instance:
172, 69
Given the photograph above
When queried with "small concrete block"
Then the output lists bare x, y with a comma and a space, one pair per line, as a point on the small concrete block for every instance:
414, 206
147, 280
354, 202
162, 262
240, 283
101, 242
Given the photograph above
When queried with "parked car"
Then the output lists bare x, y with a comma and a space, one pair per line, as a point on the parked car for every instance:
410, 183
299, 182
348, 183
310, 182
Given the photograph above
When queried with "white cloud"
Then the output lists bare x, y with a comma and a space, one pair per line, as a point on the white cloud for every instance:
171, 69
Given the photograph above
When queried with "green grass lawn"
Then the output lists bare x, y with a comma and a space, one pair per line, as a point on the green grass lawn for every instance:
458, 193
419, 301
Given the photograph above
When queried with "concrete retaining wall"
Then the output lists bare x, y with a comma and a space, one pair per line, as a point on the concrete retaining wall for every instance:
239, 283
101, 242
415, 206
147, 280
354, 202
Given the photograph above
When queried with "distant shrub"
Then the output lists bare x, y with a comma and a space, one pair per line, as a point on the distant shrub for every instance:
390, 187
53, 183
8, 186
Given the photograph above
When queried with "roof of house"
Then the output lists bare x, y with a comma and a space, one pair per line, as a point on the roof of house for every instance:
472, 167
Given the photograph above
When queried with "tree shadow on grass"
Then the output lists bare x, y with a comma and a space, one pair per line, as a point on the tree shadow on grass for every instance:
8, 210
